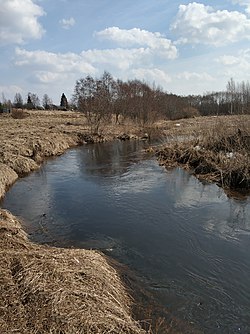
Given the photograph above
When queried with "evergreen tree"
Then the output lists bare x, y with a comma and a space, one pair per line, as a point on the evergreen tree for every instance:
64, 102
29, 102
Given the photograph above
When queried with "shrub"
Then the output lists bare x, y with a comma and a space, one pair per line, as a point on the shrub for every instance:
19, 114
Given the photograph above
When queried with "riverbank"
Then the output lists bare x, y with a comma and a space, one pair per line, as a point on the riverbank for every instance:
47, 289
55, 290
26, 141
218, 152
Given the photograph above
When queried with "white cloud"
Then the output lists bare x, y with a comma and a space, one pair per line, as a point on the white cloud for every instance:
197, 23
137, 37
141, 55
151, 75
186, 82
67, 23
49, 77
122, 59
150, 47
236, 66
19, 21
244, 3
9, 91
195, 76
86, 62
48, 68
52, 62
228, 60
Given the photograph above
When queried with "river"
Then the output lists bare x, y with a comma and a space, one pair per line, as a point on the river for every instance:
187, 240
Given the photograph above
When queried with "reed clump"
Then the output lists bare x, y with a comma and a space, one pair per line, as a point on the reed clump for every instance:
220, 153
54, 290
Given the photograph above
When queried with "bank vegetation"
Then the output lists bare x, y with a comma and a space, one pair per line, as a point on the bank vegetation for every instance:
55, 290
216, 149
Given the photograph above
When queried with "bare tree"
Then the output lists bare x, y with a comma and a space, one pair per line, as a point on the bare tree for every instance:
95, 98
33, 101
18, 101
231, 92
46, 102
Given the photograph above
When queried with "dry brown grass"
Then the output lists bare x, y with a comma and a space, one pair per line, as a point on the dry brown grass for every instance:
51, 290
27, 140
7, 177
218, 151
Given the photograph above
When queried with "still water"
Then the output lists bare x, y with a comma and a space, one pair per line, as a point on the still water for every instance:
188, 240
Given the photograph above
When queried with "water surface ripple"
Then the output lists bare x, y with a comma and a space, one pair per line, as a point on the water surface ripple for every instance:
188, 240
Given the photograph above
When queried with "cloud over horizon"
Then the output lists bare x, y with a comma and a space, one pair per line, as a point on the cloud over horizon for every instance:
197, 23
125, 61
138, 37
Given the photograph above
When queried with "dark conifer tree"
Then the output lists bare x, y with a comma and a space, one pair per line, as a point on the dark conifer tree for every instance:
64, 102
30, 104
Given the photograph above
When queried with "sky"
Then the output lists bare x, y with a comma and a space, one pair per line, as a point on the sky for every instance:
183, 47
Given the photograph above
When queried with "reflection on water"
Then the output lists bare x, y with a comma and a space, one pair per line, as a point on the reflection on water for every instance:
188, 241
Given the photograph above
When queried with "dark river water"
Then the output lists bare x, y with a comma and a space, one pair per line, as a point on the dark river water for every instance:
189, 241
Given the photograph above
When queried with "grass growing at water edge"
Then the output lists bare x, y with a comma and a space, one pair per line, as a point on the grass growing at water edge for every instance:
218, 152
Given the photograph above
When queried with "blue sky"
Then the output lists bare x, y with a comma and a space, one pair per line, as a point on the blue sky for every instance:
184, 47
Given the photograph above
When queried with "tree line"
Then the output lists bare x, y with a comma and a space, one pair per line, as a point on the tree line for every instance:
234, 100
101, 98
104, 98
32, 102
